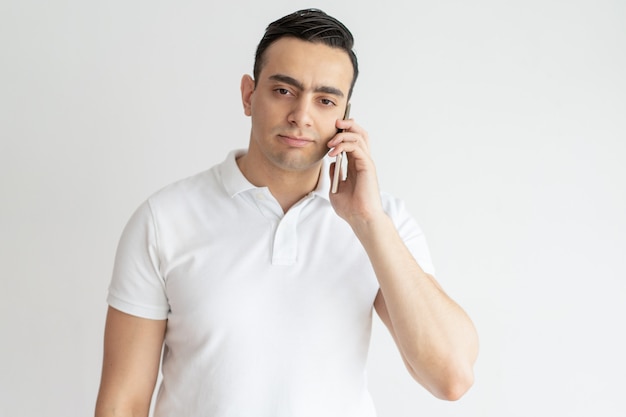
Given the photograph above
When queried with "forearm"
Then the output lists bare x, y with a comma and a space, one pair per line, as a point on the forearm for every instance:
436, 338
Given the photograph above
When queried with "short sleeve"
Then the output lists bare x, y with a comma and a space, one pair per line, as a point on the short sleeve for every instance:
411, 234
137, 286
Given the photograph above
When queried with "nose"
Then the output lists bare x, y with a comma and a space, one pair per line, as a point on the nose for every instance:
300, 114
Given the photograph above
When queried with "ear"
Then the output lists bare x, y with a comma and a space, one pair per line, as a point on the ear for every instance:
247, 89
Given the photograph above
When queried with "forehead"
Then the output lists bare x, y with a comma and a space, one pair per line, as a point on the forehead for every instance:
308, 62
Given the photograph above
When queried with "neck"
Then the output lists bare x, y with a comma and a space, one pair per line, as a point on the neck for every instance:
288, 187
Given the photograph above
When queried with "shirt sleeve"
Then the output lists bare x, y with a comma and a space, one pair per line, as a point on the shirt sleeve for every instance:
411, 234
137, 285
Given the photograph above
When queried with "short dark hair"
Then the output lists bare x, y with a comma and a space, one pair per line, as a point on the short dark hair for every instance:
312, 25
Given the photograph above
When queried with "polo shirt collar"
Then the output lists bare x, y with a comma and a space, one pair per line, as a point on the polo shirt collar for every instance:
235, 182
232, 178
323, 184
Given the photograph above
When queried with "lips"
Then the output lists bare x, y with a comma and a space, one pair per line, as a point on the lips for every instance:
297, 142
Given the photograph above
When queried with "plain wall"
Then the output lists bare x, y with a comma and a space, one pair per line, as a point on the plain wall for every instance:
501, 123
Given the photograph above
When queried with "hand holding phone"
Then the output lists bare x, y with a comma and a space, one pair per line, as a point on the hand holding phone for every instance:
338, 176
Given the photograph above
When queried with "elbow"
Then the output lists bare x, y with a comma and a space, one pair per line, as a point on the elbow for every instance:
455, 389
447, 376
455, 376
449, 384
455, 384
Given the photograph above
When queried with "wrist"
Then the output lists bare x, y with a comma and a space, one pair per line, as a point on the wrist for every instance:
371, 225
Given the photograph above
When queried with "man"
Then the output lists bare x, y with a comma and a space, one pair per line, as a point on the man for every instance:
258, 282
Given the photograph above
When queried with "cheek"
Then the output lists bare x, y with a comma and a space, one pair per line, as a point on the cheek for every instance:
328, 130
266, 113
259, 114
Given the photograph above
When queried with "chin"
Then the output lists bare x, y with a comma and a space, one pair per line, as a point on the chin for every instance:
291, 162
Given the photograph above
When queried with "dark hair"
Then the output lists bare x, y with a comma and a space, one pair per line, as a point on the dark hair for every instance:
312, 25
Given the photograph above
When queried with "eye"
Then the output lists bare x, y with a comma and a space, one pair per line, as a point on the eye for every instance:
282, 91
327, 102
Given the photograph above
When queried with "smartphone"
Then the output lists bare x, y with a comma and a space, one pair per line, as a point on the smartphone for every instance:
338, 176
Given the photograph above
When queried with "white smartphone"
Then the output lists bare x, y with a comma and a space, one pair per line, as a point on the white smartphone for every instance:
338, 176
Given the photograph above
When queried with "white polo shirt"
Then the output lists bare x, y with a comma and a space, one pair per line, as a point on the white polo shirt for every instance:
269, 314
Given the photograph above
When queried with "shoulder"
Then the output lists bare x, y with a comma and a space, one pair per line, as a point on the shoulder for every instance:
213, 184
187, 187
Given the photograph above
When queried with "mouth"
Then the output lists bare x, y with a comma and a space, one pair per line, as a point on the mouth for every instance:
295, 141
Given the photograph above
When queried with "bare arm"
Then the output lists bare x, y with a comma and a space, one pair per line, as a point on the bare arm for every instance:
132, 351
436, 339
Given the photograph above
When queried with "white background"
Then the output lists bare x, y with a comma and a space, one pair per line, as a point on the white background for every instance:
501, 123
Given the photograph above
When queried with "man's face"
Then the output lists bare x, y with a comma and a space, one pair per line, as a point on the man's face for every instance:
301, 91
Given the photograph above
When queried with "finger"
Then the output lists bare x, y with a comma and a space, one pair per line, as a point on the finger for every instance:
345, 124
350, 125
353, 149
345, 139
354, 133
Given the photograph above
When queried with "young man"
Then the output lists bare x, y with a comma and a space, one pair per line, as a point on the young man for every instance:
258, 282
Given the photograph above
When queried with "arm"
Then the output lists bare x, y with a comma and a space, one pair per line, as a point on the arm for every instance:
435, 337
132, 351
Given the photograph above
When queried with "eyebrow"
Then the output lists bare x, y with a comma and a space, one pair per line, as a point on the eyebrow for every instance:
297, 84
